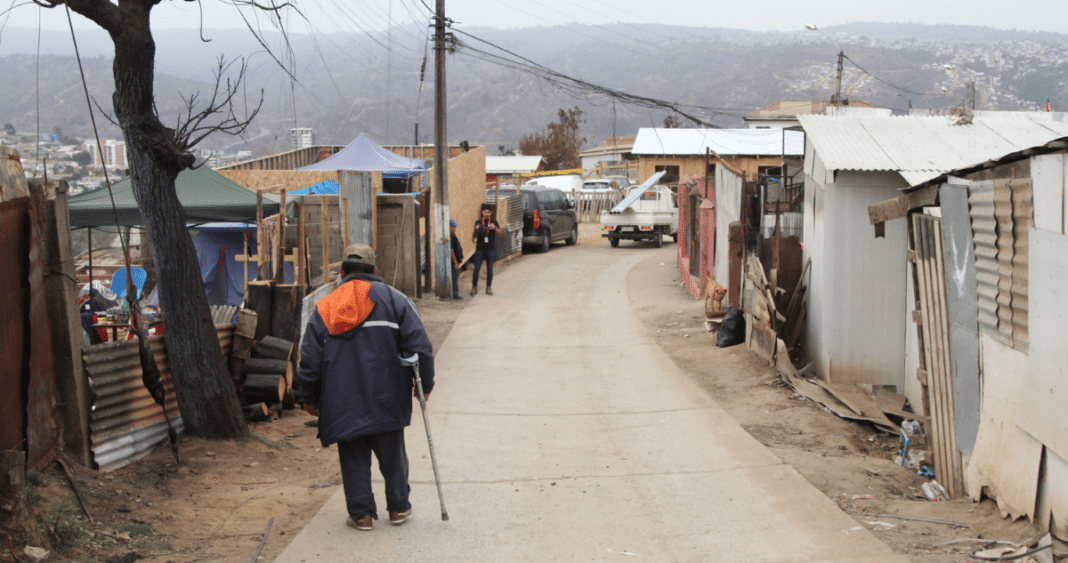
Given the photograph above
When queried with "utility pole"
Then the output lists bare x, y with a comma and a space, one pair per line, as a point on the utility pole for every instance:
971, 88
441, 159
836, 100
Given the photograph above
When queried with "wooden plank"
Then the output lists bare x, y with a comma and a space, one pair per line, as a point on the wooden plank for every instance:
943, 451
325, 264
901, 206
863, 405
302, 257
955, 486
923, 286
760, 338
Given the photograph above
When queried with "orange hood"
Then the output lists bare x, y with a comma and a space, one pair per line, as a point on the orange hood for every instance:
346, 307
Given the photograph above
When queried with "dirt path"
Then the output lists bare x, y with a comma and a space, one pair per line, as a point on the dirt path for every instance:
218, 502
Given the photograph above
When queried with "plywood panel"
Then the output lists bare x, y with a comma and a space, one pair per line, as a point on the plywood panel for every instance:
274, 180
1047, 175
1044, 387
1053, 496
1006, 459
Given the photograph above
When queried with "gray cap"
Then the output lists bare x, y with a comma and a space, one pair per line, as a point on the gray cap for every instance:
361, 254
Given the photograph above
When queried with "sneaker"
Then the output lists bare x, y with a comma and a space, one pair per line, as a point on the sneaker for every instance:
398, 518
365, 524
489, 291
474, 290
457, 296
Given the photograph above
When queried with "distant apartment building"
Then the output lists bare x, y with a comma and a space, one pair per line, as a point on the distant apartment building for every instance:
114, 154
303, 137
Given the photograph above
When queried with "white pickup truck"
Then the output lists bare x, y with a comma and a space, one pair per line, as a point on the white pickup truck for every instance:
648, 212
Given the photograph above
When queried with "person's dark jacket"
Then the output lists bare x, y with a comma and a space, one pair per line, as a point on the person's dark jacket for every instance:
349, 359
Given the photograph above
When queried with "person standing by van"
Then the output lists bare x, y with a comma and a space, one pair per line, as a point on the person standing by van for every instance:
485, 238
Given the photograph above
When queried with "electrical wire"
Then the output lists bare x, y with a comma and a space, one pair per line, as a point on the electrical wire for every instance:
577, 87
907, 91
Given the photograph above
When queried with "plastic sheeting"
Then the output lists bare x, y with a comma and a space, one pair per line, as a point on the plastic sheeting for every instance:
327, 187
217, 246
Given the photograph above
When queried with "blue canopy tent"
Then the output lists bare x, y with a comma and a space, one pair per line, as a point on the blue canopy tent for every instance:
364, 155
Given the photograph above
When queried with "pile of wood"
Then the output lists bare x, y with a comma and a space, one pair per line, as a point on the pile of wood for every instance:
262, 370
765, 323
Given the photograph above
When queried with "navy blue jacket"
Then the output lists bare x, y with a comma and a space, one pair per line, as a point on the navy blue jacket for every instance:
349, 359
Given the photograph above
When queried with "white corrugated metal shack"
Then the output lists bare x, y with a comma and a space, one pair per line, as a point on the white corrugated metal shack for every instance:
859, 326
1004, 231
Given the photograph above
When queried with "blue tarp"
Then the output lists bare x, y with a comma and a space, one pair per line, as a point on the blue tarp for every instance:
364, 155
217, 244
328, 187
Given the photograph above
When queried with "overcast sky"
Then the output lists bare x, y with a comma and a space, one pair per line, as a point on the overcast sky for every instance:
780, 15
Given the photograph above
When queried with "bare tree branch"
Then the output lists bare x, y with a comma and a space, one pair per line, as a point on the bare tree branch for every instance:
192, 129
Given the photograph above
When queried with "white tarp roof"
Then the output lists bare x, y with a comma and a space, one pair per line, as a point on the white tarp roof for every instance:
733, 142
512, 164
924, 147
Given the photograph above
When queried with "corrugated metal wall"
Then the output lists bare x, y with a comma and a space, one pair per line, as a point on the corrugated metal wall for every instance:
1001, 214
126, 423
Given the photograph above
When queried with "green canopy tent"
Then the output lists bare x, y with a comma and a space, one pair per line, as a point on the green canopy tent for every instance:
206, 197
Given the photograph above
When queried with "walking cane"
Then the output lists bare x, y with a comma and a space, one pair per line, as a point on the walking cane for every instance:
413, 362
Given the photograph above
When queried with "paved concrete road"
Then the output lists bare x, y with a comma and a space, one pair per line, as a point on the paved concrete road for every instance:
563, 433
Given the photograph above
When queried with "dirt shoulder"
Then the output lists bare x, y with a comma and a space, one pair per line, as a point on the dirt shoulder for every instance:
218, 503
850, 463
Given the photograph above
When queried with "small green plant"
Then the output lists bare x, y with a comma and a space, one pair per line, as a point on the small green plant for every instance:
65, 532
273, 444
137, 530
34, 498
145, 481
34, 478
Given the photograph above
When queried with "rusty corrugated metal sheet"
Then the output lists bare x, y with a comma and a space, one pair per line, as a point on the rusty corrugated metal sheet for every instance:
13, 323
42, 428
126, 424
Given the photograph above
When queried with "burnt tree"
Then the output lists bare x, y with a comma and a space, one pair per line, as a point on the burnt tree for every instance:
156, 154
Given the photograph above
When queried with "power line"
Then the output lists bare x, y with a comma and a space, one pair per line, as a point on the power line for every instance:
907, 91
576, 86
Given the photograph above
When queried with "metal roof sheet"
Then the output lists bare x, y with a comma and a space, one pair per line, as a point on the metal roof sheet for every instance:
924, 147
725, 142
512, 164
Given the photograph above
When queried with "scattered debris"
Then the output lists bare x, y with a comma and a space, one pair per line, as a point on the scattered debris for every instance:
884, 525
36, 553
934, 492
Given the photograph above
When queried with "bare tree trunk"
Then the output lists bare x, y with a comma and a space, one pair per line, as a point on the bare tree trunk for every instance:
205, 393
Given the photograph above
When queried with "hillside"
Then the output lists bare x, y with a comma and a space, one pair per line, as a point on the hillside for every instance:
349, 83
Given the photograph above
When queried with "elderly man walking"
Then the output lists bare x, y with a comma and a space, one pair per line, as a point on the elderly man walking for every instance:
351, 377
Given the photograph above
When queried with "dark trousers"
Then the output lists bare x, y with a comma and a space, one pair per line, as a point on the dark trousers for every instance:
455, 281
355, 456
488, 255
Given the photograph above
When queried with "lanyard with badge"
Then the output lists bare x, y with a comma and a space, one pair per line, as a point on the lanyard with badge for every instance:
485, 230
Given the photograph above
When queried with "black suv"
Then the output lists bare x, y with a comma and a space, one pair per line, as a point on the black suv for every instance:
548, 216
